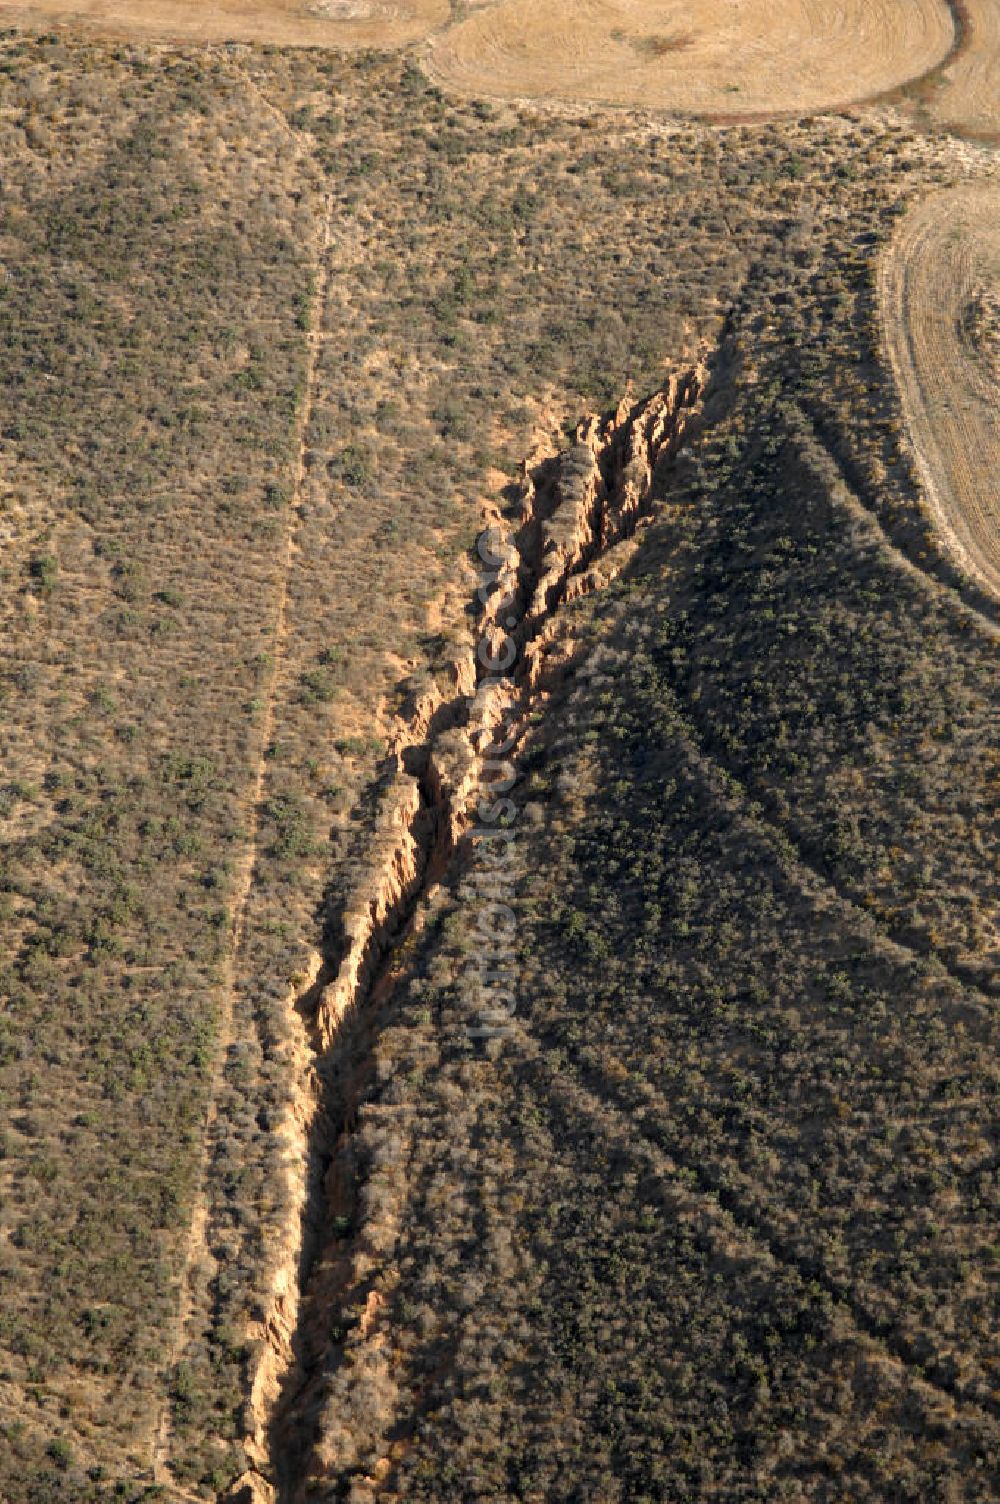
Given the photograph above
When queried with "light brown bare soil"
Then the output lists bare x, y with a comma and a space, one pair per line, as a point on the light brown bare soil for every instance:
970, 97
288, 23
705, 56
939, 296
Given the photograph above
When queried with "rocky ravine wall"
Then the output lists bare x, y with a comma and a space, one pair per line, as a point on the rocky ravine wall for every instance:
573, 508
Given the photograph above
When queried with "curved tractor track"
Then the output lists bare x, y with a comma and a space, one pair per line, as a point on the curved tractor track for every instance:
968, 97
707, 57
940, 294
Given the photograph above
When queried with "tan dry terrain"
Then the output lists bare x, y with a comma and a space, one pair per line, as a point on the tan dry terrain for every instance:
292, 23
730, 57
970, 97
706, 56
940, 283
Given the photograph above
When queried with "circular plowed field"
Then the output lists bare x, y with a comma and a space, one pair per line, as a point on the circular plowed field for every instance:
940, 292
969, 98
729, 57
289, 23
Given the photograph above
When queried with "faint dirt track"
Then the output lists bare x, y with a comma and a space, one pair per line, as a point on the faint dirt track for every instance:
291, 23
970, 97
705, 56
940, 290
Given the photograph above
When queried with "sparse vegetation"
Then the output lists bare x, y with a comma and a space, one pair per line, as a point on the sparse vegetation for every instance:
277, 330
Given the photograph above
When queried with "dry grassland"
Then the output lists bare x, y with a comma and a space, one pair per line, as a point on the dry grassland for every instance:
286, 23
939, 296
705, 56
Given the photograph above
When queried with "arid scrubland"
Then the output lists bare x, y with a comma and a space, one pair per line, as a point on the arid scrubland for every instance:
279, 331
